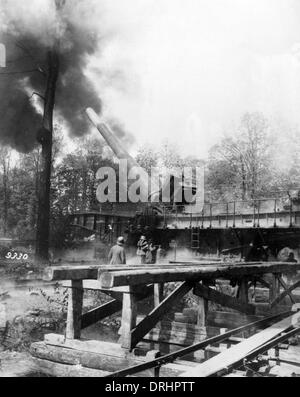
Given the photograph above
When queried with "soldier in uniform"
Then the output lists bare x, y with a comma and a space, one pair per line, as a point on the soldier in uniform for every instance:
117, 255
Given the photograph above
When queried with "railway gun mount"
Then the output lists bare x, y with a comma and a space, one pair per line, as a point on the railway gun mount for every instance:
243, 321
255, 229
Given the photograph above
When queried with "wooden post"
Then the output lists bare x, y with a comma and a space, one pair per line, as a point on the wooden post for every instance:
202, 309
274, 288
129, 313
158, 294
202, 312
243, 291
73, 328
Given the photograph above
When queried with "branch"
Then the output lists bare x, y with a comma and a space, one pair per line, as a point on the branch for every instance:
37, 94
19, 72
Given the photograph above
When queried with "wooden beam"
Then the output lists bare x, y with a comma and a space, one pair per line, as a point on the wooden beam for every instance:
91, 270
129, 314
75, 302
242, 294
158, 297
101, 312
222, 299
58, 273
284, 294
58, 370
158, 294
110, 308
147, 276
285, 287
274, 288
202, 310
263, 282
158, 312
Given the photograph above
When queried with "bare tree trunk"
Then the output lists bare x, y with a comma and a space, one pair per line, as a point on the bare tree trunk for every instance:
244, 187
5, 164
45, 137
5, 188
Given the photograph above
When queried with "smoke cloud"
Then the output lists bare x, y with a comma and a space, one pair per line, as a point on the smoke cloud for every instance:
29, 30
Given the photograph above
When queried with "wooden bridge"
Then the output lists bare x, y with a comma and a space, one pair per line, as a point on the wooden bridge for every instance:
127, 285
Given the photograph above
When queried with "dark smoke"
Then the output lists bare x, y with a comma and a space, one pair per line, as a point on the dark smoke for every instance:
28, 37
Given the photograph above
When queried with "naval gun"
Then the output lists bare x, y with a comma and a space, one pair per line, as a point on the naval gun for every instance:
111, 139
115, 145
168, 187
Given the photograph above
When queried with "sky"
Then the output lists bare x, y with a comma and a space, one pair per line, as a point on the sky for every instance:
181, 70
186, 70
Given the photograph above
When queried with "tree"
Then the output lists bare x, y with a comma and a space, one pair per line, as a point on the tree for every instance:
147, 158
245, 158
5, 159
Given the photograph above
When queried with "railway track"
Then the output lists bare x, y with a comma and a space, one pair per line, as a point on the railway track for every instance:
243, 355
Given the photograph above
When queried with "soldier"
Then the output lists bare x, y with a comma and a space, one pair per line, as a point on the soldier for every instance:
142, 249
151, 253
117, 254
291, 258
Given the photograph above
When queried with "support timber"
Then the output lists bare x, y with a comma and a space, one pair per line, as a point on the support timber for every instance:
158, 312
222, 299
129, 284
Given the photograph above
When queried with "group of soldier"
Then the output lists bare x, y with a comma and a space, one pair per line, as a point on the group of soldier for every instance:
147, 251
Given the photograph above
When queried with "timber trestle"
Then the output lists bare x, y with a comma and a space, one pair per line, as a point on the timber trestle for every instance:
128, 285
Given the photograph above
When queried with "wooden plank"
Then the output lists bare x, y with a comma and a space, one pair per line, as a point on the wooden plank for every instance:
184, 327
222, 299
88, 359
58, 370
58, 273
75, 302
87, 345
92, 271
236, 353
230, 320
181, 318
173, 338
285, 293
116, 293
135, 277
158, 312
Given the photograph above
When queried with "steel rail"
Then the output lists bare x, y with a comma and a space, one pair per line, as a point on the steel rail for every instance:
198, 346
261, 349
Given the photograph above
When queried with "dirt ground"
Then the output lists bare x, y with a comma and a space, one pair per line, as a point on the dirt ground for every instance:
31, 308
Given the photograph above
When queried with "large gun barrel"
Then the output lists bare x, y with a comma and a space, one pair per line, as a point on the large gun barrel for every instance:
116, 146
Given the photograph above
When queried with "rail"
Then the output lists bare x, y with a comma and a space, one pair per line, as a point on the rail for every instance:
158, 362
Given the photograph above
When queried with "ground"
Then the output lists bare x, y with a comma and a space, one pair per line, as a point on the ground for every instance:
30, 308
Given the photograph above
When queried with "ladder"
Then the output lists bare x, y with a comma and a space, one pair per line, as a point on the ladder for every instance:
195, 238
